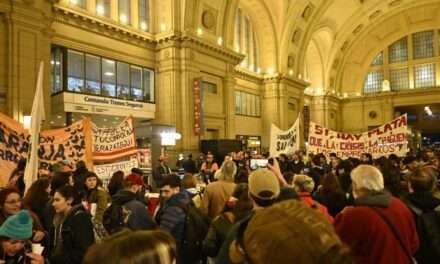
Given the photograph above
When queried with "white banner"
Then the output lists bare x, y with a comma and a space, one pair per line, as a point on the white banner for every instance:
105, 171
284, 141
115, 142
390, 138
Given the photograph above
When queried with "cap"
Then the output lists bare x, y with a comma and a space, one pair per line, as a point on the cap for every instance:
134, 179
263, 184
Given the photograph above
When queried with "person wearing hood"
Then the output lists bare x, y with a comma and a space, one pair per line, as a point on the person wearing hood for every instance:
138, 218
379, 228
423, 204
15, 235
72, 232
171, 215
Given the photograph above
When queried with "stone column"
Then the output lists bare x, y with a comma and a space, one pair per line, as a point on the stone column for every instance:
27, 32
229, 94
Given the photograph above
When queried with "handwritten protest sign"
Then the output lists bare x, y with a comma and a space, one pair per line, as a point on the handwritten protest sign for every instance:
14, 145
390, 138
105, 171
113, 143
284, 141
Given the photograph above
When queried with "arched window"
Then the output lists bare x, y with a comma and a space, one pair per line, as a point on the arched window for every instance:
245, 40
408, 63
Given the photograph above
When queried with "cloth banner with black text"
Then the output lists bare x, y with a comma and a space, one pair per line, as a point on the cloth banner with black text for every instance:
114, 142
284, 141
14, 145
390, 138
63, 144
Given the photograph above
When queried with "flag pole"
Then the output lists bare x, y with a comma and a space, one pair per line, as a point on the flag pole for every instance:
37, 116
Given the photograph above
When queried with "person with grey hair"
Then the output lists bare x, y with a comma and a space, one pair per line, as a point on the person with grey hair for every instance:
379, 228
217, 193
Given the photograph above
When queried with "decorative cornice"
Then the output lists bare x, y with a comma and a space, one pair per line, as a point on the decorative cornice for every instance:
104, 26
243, 74
101, 26
187, 39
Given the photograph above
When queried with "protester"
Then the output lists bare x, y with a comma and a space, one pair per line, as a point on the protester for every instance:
288, 232
343, 172
152, 247
16, 179
426, 211
208, 168
189, 165
37, 197
171, 214
11, 204
189, 185
238, 206
383, 223
126, 211
296, 165
96, 197
331, 195
304, 186
72, 232
161, 171
391, 175
217, 193
79, 177
16, 247
264, 189
116, 183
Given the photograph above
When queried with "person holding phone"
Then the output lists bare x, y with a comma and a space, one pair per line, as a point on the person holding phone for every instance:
15, 235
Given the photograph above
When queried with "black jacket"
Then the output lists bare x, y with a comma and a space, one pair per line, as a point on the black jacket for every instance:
426, 203
72, 237
189, 166
139, 218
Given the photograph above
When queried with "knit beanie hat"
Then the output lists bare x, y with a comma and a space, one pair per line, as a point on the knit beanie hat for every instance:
263, 184
298, 234
18, 226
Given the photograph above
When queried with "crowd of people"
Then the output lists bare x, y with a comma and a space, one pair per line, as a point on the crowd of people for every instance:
297, 209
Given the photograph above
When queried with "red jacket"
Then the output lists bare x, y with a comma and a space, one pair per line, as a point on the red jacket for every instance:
370, 238
307, 199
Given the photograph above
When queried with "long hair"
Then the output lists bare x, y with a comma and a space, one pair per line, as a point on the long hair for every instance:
152, 247
116, 182
37, 196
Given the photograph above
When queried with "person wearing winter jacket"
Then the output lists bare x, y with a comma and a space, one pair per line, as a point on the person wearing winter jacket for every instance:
72, 232
364, 227
171, 214
421, 200
304, 186
139, 218
96, 195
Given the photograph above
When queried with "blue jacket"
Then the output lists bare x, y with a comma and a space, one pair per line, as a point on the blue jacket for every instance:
139, 218
171, 217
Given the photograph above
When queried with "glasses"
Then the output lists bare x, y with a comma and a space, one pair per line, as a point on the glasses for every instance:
165, 191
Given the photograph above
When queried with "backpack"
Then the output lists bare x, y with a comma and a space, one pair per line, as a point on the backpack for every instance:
428, 228
115, 218
195, 231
